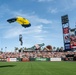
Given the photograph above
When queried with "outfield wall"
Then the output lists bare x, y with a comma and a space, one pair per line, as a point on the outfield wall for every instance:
32, 59
11, 59
55, 59
36, 59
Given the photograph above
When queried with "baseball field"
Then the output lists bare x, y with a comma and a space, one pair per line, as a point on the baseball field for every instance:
38, 68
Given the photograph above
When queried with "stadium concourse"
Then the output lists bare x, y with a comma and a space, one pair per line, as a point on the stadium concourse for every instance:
37, 56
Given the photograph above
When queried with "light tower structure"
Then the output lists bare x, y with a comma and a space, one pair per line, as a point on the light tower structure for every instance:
66, 32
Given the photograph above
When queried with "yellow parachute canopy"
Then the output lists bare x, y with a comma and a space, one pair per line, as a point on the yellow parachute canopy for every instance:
24, 22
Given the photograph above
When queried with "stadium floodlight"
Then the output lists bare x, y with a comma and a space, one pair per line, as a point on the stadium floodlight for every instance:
64, 19
66, 33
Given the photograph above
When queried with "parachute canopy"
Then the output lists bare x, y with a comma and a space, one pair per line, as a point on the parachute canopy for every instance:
24, 22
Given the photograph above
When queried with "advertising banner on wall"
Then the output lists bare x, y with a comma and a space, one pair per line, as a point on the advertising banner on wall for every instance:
3, 59
11, 59
55, 59
42, 59
73, 38
66, 37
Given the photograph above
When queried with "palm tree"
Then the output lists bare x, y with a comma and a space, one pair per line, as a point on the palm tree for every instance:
1, 49
5, 49
16, 49
54, 48
25, 48
57, 49
61, 49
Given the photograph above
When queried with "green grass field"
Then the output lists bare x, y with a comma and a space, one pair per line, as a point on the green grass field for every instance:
37, 68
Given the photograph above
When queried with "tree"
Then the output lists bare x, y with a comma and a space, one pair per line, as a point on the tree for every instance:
57, 49
16, 49
61, 49
54, 48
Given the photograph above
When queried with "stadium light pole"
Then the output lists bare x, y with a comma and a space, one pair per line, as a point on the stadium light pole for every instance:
66, 32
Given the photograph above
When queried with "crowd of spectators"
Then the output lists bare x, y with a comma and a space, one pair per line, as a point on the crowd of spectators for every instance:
35, 54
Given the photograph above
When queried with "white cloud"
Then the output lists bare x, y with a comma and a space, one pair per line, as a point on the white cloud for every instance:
13, 32
44, 0
45, 21
51, 10
33, 30
39, 37
67, 5
4, 9
61, 6
33, 18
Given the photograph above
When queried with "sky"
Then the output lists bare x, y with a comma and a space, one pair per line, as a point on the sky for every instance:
45, 19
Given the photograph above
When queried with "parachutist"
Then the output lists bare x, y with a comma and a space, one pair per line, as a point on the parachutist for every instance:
20, 39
